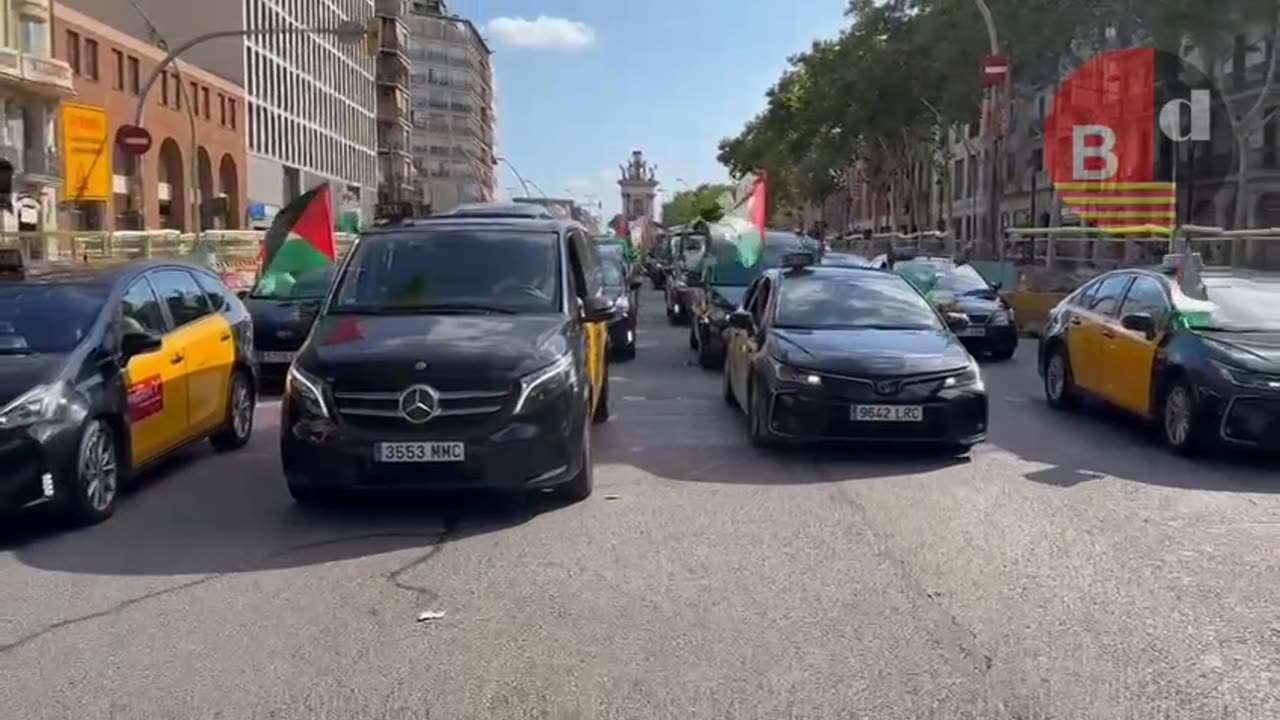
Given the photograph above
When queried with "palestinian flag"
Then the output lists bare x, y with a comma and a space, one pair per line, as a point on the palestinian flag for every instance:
300, 238
745, 214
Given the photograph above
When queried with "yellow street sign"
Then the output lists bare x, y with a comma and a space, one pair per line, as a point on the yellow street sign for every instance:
86, 153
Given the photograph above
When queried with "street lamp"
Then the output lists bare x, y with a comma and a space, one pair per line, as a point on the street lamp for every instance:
523, 183
346, 32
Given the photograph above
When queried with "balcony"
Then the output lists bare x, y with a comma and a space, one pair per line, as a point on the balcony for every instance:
42, 75
391, 8
44, 163
395, 39
393, 106
393, 74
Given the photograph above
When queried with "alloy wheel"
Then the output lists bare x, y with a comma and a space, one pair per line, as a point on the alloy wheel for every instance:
99, 469
1177, 416
241, 407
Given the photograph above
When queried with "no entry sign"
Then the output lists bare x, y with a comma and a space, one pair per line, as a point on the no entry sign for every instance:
995, 70
133, 140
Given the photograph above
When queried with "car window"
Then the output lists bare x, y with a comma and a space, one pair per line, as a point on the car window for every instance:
942, 277
1107, 298
53, 318
1146, 296
218, 295
140, 310
760, 305
1234, 304
863, 300
1084, 296
452, 269
180, 293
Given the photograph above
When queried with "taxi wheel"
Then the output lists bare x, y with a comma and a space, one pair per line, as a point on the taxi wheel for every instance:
602, 410
757, 421
241, 401
727, 388
1177, 418
92, 496
1059, 389
580, 486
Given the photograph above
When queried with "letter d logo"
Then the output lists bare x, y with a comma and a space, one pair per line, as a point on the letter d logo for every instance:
1200, 111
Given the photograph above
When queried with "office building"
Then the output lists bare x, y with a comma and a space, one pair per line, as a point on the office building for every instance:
110, 67
453, 100
32, 83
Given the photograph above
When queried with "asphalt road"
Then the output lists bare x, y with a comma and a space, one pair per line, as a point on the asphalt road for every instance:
1069, 569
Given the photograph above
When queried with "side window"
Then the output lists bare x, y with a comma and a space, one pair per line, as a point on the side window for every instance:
761, 304
140, 310
748, 300
1107, 298
215, 292
590, 262
1146, 296
1084, 296
179, 291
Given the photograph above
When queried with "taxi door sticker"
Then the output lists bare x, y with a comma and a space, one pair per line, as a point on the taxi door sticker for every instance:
146, 398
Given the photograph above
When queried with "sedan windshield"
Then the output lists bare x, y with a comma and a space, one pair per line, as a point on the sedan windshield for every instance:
1236, 305
462, 270
308, 285
942, 277
37, 318
612, 274
861, 301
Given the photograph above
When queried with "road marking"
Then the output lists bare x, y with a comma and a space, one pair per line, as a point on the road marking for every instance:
634, 398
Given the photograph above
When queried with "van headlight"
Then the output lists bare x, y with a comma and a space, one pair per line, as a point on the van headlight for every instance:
541, 384
41, 404
307, 390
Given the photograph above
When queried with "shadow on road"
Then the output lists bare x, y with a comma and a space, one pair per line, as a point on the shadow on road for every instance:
203, 513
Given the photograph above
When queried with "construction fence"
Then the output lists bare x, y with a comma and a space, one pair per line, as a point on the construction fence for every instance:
232, 254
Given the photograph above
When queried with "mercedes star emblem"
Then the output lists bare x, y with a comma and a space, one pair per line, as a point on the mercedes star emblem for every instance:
419, 404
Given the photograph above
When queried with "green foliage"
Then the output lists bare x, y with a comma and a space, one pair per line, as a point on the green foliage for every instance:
702, 202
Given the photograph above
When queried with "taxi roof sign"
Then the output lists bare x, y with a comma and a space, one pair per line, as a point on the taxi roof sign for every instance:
798, 260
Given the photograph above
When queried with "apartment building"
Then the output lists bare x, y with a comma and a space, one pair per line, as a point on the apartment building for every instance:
32, 83
397, 178
453, 106
185, 179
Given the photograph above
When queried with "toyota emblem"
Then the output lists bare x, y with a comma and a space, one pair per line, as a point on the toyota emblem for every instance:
419, 404
887, 387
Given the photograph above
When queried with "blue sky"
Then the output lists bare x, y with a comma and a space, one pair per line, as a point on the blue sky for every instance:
581, 83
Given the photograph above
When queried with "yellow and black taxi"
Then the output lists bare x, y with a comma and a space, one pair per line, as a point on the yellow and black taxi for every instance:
959, 287
453, 352
282, 316
722, 282
822, 353
1197, 354
621, 284
106, 370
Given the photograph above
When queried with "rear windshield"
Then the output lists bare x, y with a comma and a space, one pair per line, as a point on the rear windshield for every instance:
485, 271
36, 318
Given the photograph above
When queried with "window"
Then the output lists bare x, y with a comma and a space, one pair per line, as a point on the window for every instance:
32, 36
204, 102
1107, 297
117, 63
1146, 296
164, 89
219, 295
140, 311
760, 305
231, 113
135, 76
28, 312
73, 51
177, 91
861, 300
222, 109
91, 59
182, 295
195, 98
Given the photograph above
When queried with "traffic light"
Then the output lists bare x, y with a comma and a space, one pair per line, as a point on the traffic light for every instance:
373, 35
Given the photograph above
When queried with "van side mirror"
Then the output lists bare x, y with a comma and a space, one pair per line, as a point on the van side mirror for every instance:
139, 343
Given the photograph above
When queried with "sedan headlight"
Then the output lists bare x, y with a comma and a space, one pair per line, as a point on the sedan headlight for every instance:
43, 403
788, 374
1002, 317
970, 377
1246, 378
308, 389
622, 304
541, 384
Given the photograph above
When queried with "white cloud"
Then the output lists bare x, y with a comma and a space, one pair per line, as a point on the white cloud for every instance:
542, 33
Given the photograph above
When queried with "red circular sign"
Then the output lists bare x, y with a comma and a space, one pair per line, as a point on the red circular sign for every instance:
995, 70
133, 140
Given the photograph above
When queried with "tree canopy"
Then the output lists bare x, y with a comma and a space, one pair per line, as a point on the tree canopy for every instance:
702, 202
881, 89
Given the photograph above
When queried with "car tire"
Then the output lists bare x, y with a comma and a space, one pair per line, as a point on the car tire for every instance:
1059, 388
1177, 419
708, 359
580, 486
757, 422
91, 497
241, 402
627, 352
601, 413
727, 387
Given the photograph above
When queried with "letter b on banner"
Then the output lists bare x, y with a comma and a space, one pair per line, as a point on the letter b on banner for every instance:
1199, 111
1093, 142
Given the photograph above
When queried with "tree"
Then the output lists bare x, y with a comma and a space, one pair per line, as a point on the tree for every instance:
702, 202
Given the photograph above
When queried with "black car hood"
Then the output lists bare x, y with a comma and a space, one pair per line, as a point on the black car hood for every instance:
869, 353
466, 351
277, 322
1259, 352
20, 373
732, 295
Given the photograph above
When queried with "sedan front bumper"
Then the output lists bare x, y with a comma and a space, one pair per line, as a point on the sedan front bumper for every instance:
952, 417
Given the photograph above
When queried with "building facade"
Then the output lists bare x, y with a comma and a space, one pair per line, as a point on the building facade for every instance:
32, 83
183, 179
453, 106
312, 106
397, 178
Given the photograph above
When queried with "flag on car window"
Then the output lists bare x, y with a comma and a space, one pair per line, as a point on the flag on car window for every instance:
745, 214
300, 239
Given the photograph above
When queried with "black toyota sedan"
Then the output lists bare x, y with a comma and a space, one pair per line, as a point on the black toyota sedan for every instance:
282, 316
992, 329
427, 369
851, 354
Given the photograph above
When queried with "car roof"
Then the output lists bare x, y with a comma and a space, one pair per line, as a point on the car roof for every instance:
476, 222
829, 271
101, 275
489, 209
